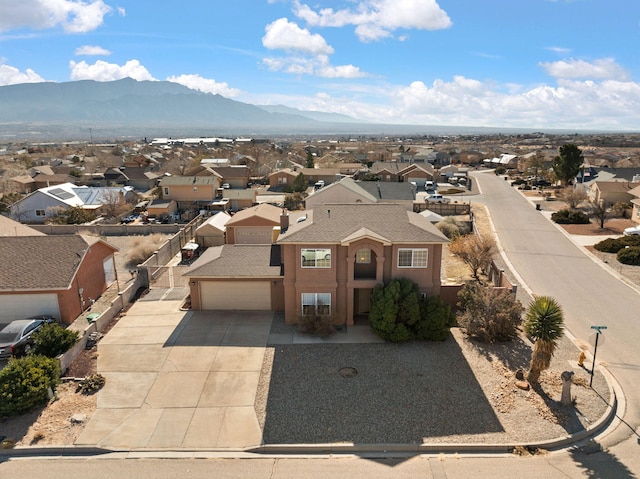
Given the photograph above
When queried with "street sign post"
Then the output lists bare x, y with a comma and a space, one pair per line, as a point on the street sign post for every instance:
598, 330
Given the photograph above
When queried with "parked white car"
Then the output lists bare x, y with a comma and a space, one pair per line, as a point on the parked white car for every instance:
632, 230
437, 198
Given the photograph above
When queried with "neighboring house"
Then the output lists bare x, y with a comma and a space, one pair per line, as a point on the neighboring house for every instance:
283, 178
140, 178
611, 192
212, 232
348, 190
256, 225
43, 180
60, 275
417, 174
45, 202
189, 191
635, 201
328, 175
325, 263
236, 176
158, 207
240, 199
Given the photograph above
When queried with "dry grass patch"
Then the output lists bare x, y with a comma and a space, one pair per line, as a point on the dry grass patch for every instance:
142, 247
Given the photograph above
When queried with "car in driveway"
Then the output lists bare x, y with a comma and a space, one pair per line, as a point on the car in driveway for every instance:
437, 198
16, 339
632, 230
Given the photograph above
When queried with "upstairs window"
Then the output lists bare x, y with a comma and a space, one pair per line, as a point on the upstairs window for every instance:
413, 257
316, 258
363, 256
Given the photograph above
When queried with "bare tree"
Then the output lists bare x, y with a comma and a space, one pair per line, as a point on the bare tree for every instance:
476, 251
572, 197
113, 204
600, 210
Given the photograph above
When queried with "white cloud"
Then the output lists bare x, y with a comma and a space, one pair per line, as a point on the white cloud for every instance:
309, 53
377, 19
11, 76
603, 68
103, 71
285, 35
206, 85
74, 16
318, 66
121, 11
464, 101
91, 50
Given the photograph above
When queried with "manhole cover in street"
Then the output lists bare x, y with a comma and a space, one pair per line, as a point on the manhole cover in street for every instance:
348, 372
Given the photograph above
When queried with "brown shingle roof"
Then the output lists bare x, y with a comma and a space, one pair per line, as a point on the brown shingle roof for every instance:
233, 260
337, 223
40, 262
263, 210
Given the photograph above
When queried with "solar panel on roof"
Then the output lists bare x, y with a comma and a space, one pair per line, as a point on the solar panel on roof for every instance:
62, 194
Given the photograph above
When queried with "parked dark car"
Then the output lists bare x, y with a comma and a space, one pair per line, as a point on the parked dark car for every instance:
16, 338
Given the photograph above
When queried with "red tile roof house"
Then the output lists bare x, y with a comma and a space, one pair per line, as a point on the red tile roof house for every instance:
57, 275
328, 262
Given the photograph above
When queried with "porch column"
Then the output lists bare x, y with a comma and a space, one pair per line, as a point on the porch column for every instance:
351, 261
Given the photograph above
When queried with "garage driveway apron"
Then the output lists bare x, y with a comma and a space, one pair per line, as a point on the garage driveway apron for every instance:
177, 379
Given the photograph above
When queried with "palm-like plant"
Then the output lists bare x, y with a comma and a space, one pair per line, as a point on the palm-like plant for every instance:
544, 323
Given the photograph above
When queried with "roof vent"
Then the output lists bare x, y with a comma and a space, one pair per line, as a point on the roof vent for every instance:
301, 219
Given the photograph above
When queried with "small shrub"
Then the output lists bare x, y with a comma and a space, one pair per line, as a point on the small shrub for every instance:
436, 320
316, 325
613, 245
452, 228
52, 340
24, 383
565, 217
489, 314
630, 255
91, 384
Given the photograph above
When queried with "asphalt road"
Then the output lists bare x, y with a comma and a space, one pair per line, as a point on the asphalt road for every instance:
549, 263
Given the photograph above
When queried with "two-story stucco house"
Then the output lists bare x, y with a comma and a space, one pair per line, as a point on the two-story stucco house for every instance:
326, 263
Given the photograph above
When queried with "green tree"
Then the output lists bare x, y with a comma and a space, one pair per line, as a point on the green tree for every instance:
567, 164
294, 201
544, 323
300, 184
395, 308
436, 319
310, 159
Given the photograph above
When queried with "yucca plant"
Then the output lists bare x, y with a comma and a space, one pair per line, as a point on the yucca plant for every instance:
544, 323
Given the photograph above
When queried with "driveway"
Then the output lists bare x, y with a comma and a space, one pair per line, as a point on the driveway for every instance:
177, 379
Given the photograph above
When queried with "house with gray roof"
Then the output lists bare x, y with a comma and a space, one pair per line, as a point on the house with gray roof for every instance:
59, 275
326, 262
347, 190
46, 202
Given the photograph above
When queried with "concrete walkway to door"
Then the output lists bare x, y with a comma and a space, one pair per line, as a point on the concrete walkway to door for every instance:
179, 380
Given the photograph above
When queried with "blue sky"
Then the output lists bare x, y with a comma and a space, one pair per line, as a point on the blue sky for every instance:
505, 63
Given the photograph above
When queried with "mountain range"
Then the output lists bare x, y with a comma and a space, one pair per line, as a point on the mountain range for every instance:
78, 110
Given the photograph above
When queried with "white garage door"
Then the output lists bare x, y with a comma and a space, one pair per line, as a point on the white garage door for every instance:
253, 235
250, 295
21, 306
418, 181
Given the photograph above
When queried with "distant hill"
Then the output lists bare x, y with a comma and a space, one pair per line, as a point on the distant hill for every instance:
314, 115
129, 102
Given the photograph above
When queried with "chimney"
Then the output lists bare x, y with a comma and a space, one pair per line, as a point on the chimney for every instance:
284, 220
